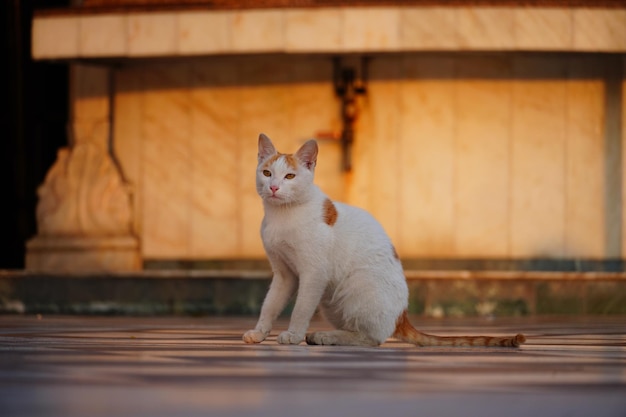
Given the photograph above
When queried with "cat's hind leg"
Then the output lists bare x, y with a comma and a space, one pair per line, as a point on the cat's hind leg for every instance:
340, 338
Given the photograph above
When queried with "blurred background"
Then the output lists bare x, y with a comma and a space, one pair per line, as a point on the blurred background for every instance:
484, 135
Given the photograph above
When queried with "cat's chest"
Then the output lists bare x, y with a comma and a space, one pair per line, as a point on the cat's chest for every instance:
281, 242
280, 235
289, 236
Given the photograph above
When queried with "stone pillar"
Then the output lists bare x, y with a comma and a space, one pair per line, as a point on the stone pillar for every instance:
85, 207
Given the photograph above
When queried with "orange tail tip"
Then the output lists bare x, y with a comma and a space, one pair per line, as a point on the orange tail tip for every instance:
519, 339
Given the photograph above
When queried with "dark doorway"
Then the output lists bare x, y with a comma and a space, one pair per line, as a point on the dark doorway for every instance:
32, 124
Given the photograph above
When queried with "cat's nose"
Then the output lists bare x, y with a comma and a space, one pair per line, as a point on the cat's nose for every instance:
274, 188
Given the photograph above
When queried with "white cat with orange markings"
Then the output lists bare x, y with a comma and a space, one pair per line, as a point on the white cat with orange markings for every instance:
336, 257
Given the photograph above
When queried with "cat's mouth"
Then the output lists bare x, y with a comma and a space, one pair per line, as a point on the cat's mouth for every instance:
275, 199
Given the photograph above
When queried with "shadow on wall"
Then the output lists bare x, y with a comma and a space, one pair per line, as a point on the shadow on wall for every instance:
255, 70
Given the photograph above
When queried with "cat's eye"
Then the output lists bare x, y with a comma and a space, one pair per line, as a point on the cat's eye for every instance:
267, 173
290, 176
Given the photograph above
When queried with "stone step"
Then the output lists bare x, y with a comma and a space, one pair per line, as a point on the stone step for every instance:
434, 293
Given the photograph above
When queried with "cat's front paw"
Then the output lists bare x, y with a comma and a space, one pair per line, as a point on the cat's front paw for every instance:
253, 336
290, 338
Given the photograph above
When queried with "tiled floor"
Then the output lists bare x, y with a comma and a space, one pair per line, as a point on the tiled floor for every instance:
97, 366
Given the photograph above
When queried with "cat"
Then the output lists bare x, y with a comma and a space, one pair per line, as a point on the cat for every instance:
337, 258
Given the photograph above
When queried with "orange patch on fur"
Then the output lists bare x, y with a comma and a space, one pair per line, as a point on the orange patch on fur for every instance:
289, 160
330, 212
270, 161
404, 328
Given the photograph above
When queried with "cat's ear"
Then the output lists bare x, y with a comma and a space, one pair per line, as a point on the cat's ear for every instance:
266, 148
307, 154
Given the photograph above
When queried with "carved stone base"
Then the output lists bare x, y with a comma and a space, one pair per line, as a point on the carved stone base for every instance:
55, 254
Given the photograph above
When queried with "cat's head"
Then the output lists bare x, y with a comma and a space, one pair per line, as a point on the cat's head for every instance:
283, 179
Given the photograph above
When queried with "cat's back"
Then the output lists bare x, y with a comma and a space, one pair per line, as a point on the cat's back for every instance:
352, 216
357, 228
363, 249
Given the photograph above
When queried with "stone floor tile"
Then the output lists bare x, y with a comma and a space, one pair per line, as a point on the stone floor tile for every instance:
141, 366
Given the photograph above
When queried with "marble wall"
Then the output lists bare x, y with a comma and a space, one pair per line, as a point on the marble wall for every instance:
185, 32
458, 155
186, 135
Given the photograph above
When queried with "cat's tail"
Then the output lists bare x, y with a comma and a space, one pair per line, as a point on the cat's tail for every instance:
407, 333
